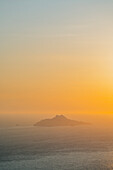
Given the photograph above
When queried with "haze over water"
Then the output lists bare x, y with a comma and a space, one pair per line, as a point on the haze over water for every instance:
65, 148
56, 57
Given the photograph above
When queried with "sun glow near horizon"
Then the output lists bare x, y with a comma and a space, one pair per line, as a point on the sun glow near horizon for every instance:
56, 59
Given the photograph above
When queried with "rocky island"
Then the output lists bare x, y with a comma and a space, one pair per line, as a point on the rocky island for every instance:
59, 120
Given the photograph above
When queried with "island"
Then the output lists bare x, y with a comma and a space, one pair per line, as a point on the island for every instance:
59, 120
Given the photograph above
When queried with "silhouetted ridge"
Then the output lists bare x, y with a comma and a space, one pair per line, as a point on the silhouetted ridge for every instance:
59, 117
59, 120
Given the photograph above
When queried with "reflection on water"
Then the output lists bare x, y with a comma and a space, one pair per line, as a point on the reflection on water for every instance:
65, 148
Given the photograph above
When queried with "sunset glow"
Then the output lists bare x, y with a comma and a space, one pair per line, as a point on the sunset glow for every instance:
56, 57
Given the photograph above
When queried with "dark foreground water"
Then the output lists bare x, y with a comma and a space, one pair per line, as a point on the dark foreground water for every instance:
62, 148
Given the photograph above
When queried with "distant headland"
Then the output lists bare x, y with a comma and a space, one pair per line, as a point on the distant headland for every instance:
59, 120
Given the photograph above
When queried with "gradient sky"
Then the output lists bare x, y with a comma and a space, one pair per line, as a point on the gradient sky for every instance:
56, 56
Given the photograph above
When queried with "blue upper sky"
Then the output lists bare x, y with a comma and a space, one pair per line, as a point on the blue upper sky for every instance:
56, 55
42, 17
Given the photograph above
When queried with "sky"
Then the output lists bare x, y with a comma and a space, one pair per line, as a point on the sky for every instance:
56, 57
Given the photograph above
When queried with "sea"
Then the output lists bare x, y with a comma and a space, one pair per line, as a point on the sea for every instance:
56, 148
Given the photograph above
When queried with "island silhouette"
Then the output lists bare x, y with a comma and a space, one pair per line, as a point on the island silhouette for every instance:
59, 120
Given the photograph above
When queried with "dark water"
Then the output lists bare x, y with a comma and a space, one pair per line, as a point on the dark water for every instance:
67, 148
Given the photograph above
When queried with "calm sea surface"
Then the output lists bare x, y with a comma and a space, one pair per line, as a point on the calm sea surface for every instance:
62, 148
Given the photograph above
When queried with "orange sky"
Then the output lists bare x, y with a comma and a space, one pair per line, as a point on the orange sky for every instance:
56, 62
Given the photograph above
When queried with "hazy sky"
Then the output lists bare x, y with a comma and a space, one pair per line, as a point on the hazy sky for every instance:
56, 56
